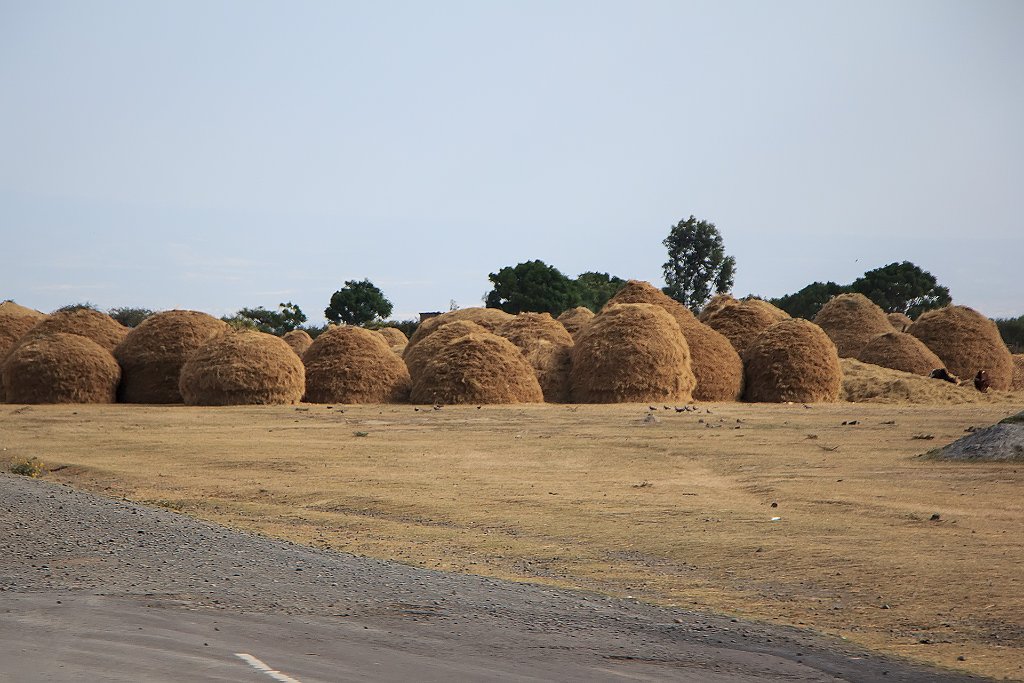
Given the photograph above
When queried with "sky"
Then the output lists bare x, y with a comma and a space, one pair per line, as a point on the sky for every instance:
217, 154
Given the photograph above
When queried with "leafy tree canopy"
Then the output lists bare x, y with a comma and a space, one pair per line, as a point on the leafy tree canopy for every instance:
902, 288
532, 286
593, 290
286, 318
1012, 331
808, 301
357, 303
697, 266
129, 317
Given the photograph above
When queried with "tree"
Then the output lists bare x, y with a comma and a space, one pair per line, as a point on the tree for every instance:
902, 288
357, 303
129, 317
1012, 331
532, 286
697, 266
288, 317
593, 290
808, 301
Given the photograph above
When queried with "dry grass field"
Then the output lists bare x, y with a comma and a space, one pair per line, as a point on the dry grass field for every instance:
915, 557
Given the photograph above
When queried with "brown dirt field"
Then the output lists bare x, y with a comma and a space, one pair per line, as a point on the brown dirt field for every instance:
673, 511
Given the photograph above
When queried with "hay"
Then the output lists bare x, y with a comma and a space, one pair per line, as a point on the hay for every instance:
152, 354
85, 322
851, 321
899, 321
632, 353
487, 318
352, 365
793, 360
742, 322
298, 340
900, 351
60, 368
9, 308
417, 356
575, 319
242, 368
717, 303
393, 336
1017, 383
966, 341
547, 347
865, 383
12, 329
477, 368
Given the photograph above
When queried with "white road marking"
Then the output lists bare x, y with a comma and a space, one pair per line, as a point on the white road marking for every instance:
260, 666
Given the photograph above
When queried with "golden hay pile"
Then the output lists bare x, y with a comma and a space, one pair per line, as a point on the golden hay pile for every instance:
793, 360
547, 347
742, 322
17, 311
632, 353
242, 368
393, 336
152, 354
967, 342
1017, 384
715, 363
575, 319
417, 356
864, 383
487, 318
85, 322
298, 340
717, 303
900, 351
477, 368
349, 364
12, 329
60, 368
899, 321
851, 321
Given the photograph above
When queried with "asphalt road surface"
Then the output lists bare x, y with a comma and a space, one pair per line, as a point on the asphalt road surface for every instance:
93, 589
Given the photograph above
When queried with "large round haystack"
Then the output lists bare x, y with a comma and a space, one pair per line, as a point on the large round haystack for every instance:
242, 368
547, 347
742, 322
487, 318
12, 329
793, 360
417, 356
1017, 383
851, 321
477, 368
715, 362
60, 368
85, 322
967, 342
632, 353
152, 354
298, 340
14, 310
900, 351
899, 321
393, 336
575, 319
352, 365
717, 303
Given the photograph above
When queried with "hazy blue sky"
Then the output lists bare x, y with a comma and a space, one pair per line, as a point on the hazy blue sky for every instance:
214, 155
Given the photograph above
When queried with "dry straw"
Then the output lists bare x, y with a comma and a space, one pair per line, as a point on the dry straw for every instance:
575, 319
60, 368
152, 354
864, 383
900, 351
298, 340
487, 318
1017, 384
15, 310
417, 356
717, 303
793, 360
242, 368
851, 321
632, 353
85, 322
967, 342
393, 336
899, 321
477, 368
742, 322
547, 347
349, 364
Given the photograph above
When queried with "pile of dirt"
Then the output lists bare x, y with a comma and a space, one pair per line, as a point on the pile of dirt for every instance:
717, 303
152, 354
60, 368
575, 319
349, 364
393, 336
1017, 383
1002, 442
742, 322
242, 368
298, 340
967, 342
899, 321
900, 351
9, 308
866, 383
547, 347
477, 368
85, 322
851, 321
793, 360
487, 318
715, 363
417, 356
632, 353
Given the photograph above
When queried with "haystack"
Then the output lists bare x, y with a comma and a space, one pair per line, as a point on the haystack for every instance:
352, 365
547, 347
865, 383
1017, 383
12, 329
242, 368
575, 319
393, 336
477, 368
85, 322
152, 354
487, 318
298, 340
967, 342
900, 351
417, 356
793, 360
632, 353
714, 361
9, 308
899, 321
60, 368
742, 322
851, 321
717, 303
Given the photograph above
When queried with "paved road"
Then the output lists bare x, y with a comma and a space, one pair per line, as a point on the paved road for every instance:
102, 590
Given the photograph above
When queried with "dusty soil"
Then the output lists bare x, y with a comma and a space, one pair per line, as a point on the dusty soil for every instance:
872, 543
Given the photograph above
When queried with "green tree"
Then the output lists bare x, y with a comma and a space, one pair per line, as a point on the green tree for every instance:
902, 288
808, 301
1012, 331
129, 317
697, 266
286, 318
593, 290
357, 303
532, 286
68, 308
